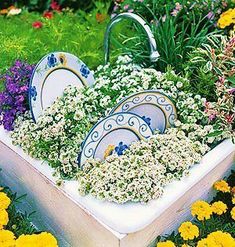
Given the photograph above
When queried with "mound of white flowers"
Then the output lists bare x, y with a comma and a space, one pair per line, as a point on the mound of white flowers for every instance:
59, 132
145, 168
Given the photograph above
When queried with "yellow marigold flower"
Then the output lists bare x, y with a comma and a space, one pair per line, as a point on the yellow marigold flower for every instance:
206, 243
46, 239
188, 231
168, 243
202, 210
219, 207
4, 201
7, 238
26, 241
43, 239
233, 213
222, 186
233, 200
3, 218
227, 18
222, 239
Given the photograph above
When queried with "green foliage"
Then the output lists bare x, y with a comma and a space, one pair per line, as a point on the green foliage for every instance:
79, 34
41, 5
207, 63
19, 222
176, 33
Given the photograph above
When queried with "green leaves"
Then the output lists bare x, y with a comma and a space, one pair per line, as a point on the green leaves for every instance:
64, 32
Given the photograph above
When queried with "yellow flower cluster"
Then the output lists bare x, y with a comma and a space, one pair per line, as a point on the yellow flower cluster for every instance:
3, 218
7, 239
222, 186
4, 204
227, 18
166, 244
219, 207
233, 200
233, 213
188, 231
4, 201
44, 239
217, 239
202, 210
36, 240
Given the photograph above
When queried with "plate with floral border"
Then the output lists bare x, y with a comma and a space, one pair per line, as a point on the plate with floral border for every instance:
52, 75
113, 134
155, 107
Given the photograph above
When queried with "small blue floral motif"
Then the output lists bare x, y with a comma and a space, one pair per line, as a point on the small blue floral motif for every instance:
84, 70
120, 148
33, 93
51, 60
147, 120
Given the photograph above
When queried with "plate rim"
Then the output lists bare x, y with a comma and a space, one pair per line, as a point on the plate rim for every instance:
35, 71
143, 92
99, 122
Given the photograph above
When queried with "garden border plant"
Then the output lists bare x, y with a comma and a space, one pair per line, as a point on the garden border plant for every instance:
213, 223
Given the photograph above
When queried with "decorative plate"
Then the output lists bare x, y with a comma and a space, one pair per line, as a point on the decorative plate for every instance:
113, 134
153, 106
52, 75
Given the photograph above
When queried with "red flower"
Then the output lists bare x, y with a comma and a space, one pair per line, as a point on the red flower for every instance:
48, 14
37, 24
55, 6
229, 118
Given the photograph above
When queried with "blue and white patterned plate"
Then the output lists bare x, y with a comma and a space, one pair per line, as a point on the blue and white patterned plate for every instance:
52, 75
113, 134
153, 106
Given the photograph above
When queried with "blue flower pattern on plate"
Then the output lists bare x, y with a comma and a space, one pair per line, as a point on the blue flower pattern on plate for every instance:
84, 70
147, 120
120, 148
51, 61
33, 93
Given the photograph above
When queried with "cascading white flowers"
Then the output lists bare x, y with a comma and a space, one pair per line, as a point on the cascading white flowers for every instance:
142, 172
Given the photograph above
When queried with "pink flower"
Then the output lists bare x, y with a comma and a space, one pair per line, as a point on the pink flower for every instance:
178, 6
130, 10
212, 116
164, 18
115, 8
229, 118
126, 7
231, 90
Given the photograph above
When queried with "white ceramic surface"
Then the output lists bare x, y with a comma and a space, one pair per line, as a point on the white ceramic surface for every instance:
113, 134
52, 75
153, 106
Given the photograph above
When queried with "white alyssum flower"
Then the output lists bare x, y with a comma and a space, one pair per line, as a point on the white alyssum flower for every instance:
144, 170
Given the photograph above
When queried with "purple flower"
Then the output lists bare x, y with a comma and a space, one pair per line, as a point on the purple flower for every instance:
126, 7
210, 15
13, 100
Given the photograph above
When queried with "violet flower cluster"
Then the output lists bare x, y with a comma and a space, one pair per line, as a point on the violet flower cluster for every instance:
14, 98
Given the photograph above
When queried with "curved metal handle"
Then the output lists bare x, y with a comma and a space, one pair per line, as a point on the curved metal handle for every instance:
152, 42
